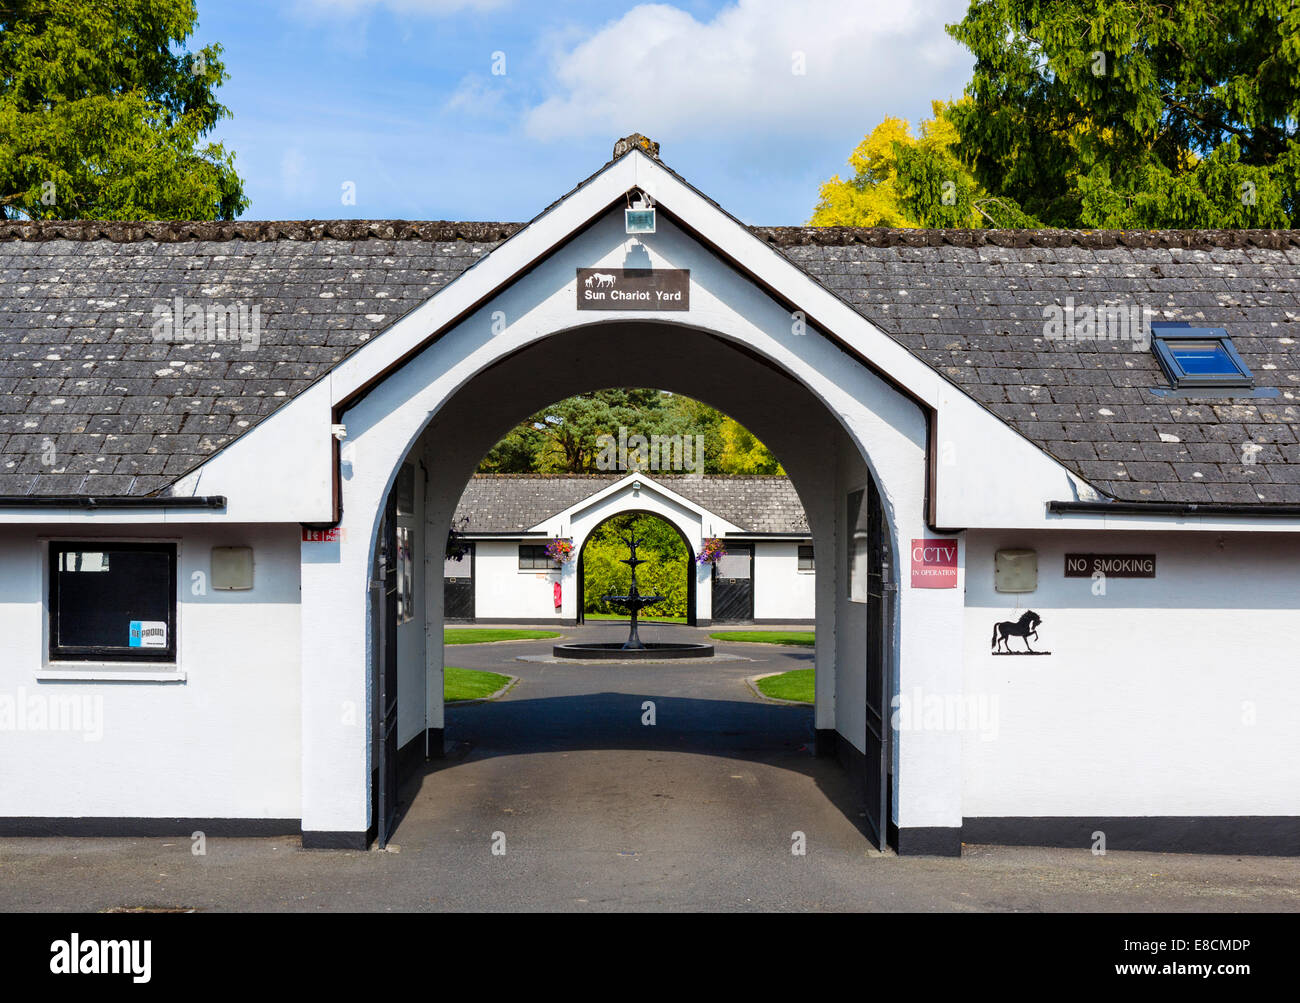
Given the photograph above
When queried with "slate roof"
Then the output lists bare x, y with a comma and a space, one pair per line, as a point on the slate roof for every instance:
128, 415
511, 503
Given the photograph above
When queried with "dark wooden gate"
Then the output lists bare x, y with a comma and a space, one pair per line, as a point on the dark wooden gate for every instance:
384, 611
458, 586
733, 585
880, 590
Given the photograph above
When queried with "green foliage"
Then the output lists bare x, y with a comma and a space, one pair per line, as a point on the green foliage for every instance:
664, 573
1135, 113
903, 181
102, 113
566, 436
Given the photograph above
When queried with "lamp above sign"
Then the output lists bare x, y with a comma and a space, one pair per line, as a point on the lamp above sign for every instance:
634, 289
639, 220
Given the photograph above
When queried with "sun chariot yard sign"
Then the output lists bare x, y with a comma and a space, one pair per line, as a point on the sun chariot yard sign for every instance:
634, 289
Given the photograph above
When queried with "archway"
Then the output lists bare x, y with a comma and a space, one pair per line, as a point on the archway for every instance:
692, 613
825, 462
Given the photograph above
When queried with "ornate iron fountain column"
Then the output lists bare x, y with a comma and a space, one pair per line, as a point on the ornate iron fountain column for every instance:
634, 601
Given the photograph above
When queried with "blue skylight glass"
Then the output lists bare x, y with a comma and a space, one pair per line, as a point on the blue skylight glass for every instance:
1198, 357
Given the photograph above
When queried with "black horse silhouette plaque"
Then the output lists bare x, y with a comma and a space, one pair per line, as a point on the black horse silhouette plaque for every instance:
1024, 628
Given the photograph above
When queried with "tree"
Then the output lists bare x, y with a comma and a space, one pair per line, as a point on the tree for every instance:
1135, 113
664, 573
102, 113
902, 181
742, 453
566, 437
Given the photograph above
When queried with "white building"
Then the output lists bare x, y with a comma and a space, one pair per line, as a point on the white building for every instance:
504, 522
191, 520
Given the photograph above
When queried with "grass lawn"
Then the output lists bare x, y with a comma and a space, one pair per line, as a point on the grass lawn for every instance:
480, 635
470, 684
797, 684
803, 638
641, 619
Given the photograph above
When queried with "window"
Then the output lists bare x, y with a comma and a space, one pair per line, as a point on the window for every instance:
532, 557
857, 541
1193, 357
806, 558
113, 601
405, 575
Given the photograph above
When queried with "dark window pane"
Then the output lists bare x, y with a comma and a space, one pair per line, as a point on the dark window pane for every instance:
805, 558
99, 593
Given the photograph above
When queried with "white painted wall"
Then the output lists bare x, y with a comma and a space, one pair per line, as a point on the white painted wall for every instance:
1175, 695
503, 591
781, 590
223, 742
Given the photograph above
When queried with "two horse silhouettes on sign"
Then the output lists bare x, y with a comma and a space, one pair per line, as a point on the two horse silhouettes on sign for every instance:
1026, 627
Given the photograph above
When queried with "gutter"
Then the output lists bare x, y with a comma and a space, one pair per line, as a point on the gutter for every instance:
1173, 508
128, 502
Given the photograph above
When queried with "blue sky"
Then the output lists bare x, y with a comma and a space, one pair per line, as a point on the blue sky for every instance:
399, 97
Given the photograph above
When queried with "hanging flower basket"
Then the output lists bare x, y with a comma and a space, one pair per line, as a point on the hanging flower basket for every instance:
560, 550
712, 551
457, 545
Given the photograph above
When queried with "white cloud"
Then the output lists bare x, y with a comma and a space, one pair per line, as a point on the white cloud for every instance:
659, 71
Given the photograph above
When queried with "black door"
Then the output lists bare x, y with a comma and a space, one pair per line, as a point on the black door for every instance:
879, 604
385, 730
733, 584
458, 586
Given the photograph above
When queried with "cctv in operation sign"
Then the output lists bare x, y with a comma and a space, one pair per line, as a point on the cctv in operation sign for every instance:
934, 564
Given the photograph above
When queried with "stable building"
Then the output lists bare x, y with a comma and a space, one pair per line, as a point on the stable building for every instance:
500, 571
1055, 590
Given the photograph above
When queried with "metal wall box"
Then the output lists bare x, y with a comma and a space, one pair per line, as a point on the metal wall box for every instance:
232, 568
1015, 570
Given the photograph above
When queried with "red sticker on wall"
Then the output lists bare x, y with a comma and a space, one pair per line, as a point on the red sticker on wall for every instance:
333, 535
934, 564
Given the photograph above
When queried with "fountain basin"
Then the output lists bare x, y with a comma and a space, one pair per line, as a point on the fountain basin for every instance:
615, 652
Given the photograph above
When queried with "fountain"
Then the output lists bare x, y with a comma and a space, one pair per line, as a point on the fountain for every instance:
633, 648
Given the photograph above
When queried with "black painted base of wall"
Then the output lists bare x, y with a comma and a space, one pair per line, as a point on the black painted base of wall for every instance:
926, 841
412, 754
148, 827
824, 743
1249, 835
316, 840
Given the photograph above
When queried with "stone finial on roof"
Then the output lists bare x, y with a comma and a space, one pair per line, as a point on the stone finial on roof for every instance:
633, 142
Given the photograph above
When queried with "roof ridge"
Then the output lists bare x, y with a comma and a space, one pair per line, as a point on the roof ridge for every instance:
449, 231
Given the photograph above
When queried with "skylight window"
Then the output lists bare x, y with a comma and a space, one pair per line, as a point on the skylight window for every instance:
1198, 357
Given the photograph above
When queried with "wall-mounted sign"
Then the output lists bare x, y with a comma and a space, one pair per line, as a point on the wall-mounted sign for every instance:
1110, 565
934, 564
148, 634
634, 289
332, 535
1024, 628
